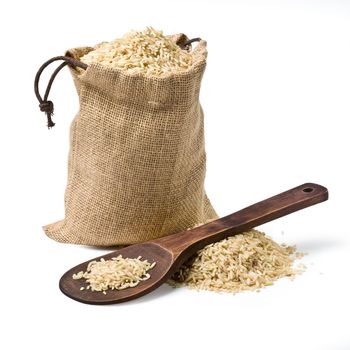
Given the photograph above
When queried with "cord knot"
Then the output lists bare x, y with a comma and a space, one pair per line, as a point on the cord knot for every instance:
47, 107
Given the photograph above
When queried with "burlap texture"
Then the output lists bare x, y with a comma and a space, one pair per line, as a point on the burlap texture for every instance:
136, 164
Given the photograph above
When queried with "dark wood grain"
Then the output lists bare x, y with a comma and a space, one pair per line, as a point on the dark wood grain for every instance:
172, 251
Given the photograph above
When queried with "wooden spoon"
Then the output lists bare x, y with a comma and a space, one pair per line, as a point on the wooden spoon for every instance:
170, 252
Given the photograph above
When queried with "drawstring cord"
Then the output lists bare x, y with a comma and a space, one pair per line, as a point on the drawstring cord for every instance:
45, 104
186, 44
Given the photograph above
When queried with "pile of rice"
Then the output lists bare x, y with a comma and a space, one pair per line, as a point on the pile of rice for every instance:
148, 52
246, 261
116, 273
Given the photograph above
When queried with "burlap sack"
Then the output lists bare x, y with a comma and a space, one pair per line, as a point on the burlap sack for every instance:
136, 163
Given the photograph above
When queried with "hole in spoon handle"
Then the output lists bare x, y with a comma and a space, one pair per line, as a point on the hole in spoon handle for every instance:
308, 189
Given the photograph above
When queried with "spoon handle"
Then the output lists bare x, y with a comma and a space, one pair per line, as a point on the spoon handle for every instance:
187, 243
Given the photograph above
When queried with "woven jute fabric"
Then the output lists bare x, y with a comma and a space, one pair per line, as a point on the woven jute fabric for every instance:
136, 164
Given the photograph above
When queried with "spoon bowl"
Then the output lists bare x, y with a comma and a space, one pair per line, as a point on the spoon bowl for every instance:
149, 251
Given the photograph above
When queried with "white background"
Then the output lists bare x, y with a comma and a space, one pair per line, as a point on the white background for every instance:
276, 101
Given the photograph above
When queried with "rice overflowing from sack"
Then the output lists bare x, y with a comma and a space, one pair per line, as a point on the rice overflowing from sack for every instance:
116, 273
148, 52
246, 261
